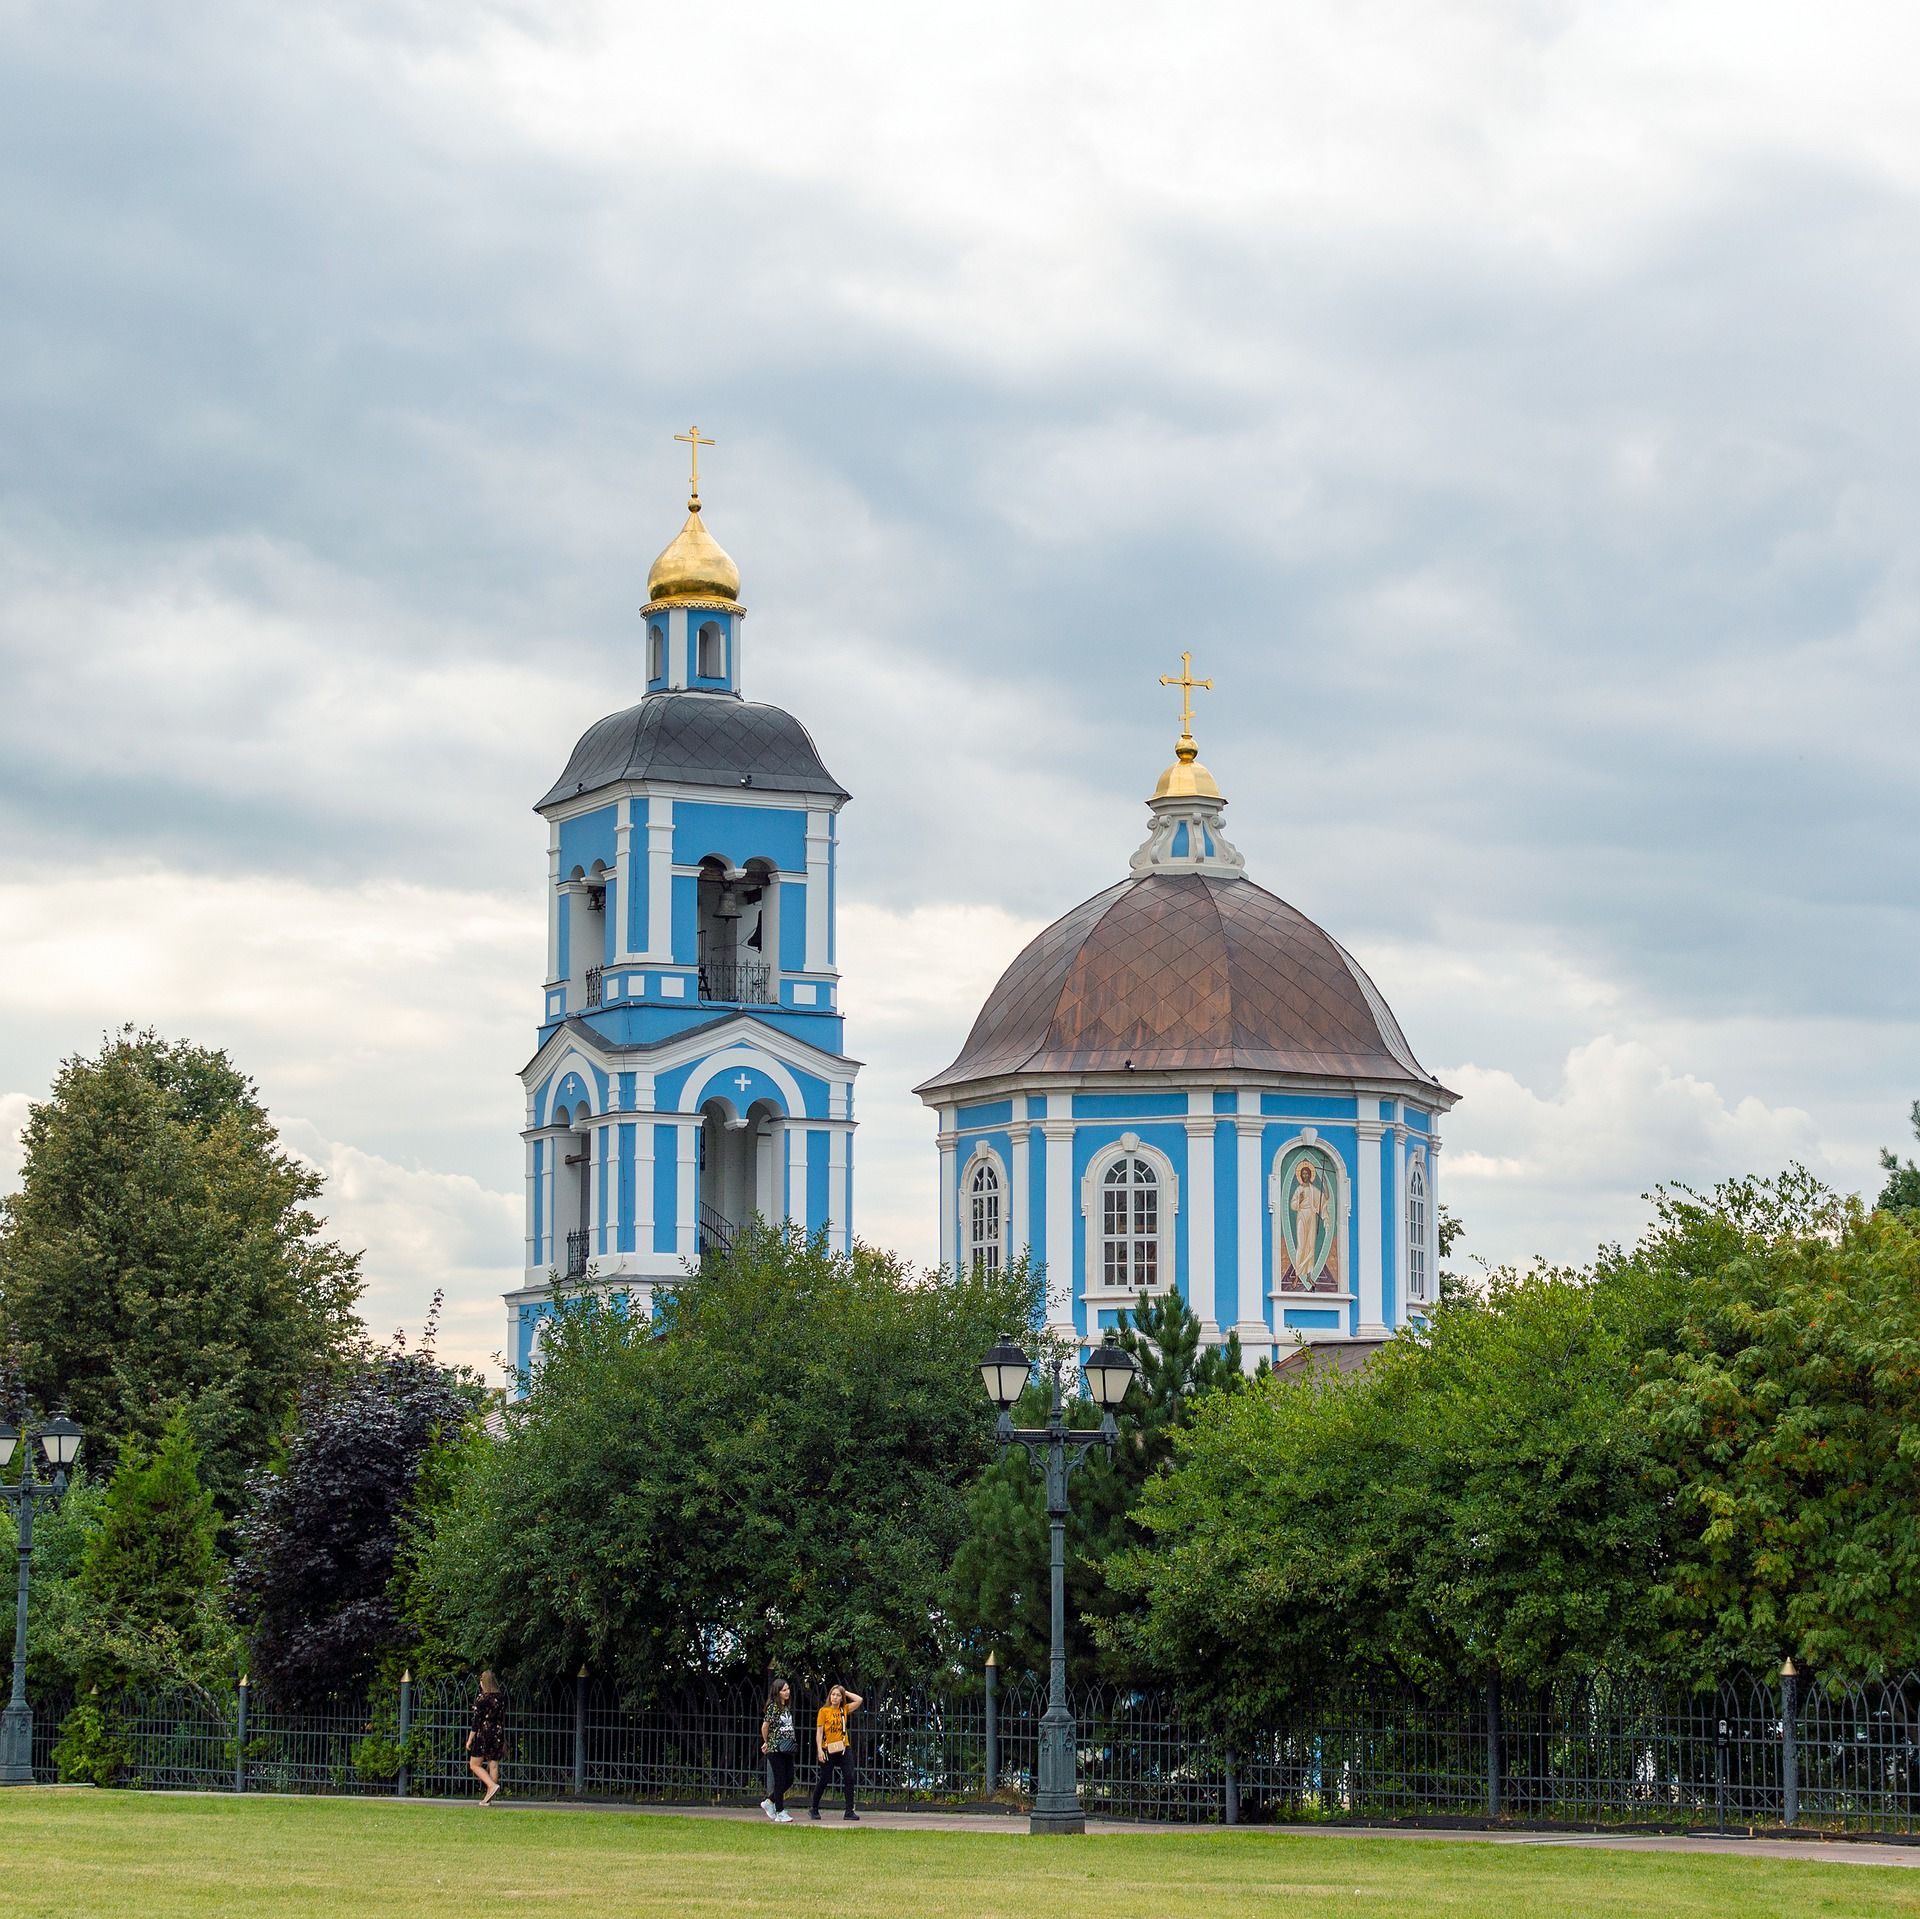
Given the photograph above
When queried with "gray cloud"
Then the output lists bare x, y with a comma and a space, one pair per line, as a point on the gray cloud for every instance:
1514, 423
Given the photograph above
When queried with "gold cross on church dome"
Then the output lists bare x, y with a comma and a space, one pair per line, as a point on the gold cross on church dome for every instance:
1186, 683
692, 441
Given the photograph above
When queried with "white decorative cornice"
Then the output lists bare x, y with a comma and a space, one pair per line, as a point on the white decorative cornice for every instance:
1208, 850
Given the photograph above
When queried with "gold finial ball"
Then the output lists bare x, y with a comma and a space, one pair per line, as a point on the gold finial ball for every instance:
1186, 778
694, 567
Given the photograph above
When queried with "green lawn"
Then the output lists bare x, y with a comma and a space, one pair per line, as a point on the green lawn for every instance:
99, 1855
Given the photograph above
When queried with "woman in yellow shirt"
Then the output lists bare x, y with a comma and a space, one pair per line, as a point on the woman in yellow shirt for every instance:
831, 1748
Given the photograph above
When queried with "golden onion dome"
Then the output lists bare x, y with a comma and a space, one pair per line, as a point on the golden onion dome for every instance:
1186, 778
694, 567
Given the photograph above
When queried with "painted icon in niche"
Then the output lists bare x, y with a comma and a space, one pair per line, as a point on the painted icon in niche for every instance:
1309, 1223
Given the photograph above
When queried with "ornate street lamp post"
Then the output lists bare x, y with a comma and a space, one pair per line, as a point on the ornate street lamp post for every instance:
59, 1439
1057, 1449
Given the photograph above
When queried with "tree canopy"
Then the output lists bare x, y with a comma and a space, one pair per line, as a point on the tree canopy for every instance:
160, 1256
1703, 1451
774, 1469
318, 1545
1902, 1190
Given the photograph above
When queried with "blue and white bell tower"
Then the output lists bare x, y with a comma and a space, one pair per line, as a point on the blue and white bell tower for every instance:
690, 1073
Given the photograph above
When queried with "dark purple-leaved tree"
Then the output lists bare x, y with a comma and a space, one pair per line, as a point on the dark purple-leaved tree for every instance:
314, 1578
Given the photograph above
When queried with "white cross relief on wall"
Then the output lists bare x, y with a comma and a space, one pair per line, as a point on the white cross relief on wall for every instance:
743, 1082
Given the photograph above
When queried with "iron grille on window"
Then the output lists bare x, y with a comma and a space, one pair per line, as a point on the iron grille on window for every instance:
577, 1254
737, 980
594, 974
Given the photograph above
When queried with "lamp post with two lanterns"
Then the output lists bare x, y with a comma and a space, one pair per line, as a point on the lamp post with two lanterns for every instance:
59, 1440
1056, 1449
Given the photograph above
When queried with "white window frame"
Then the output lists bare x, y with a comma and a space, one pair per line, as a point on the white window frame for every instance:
984, 1159
719, 632
1092, 1210
1416, 1230
656, 651
1343, 1216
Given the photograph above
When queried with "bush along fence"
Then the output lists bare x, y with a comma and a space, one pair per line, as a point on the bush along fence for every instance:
1604, 1750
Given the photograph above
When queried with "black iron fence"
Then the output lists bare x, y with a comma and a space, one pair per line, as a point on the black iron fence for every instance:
1600, 1751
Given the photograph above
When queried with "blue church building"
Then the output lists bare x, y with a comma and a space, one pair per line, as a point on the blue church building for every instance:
689, 1072
1184, 1084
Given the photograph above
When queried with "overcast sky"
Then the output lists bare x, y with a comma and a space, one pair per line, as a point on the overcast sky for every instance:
1512, 405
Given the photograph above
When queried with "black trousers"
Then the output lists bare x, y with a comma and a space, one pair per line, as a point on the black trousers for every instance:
779, 1778
840, 1762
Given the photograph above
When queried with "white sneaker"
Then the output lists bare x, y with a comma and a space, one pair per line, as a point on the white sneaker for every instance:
766, 1806
783, 1818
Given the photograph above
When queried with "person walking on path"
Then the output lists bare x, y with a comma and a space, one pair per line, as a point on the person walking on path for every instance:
777, 1746
832, 1748
487, 1736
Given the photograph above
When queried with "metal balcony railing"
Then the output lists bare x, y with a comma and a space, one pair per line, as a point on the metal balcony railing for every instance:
594, 974
714, 1233
577, 1254
738, 980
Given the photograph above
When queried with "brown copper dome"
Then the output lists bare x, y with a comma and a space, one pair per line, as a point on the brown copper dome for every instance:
1177, 973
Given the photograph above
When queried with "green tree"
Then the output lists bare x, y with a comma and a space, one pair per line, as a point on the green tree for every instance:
774, 1469
319, 1540
1787, 1410
1902, 1190
1474, 1500
1002, 1574
160, 1255
146, 1607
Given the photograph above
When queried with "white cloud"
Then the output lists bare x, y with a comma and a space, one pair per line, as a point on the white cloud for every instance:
1560, 1173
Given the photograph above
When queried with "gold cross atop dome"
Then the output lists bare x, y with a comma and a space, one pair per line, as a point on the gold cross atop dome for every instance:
1186, 778
692, 441
1186, 683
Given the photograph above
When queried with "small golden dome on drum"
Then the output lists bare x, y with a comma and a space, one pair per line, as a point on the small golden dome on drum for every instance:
695, 567
1186, 778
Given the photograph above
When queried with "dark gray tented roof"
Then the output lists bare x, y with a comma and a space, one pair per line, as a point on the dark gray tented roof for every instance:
707, 739
1181, 973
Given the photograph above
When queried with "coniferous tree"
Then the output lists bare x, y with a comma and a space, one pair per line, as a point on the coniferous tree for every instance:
1002, 1575
1902, 1190
161, 1255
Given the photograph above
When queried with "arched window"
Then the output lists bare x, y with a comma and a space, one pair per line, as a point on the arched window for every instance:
983, 1216
1130, 1226
656, 652
1416, 1231
713, 652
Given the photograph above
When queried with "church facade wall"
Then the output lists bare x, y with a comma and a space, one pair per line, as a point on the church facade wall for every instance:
1219, 1155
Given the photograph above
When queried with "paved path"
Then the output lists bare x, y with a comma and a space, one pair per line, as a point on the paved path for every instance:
1846, 1852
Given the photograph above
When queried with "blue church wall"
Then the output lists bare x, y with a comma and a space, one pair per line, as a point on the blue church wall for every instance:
997, 1112
1034, 1226
1127, 1105
587, 837
638, 933
1388, 1238
833, 889
666, 1189
1226, 1102
739, 834
648, 1022
1036, 1105
1326, 1317
1418, 1121
1091, 1140
793, 926
610, 921
819, 1203
625, 1196
1309, 1105
686, 918
563, 952
697, 617
602, 1152
539, 1201
670, 1087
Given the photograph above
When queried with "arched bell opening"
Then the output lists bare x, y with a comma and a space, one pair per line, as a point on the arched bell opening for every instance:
740, 1169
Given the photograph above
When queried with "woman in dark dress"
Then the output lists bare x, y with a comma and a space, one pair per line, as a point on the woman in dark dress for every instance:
487, 1740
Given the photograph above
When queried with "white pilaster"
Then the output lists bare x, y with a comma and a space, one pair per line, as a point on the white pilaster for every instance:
839, 1189
1018, 1230
556, 904
1250, 1263
687, 1200
1199, 1209
533, 1244
819, 854
949, 1200
1063, 1282
1433, 1219
1366, 1232
659, 879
